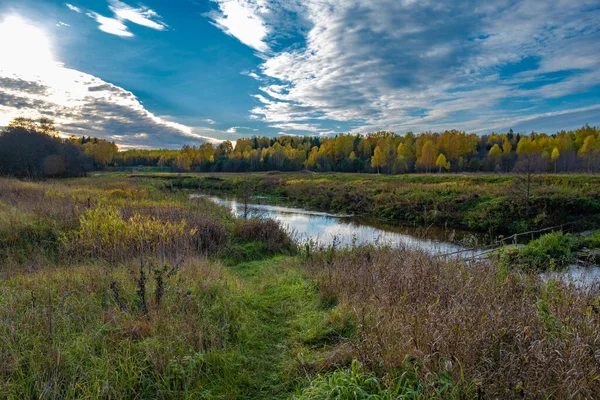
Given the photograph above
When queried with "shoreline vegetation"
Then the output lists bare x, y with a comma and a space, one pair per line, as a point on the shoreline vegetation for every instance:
490, 204
123, 287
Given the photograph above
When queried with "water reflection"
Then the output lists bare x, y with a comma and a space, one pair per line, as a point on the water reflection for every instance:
327, 229
579, 276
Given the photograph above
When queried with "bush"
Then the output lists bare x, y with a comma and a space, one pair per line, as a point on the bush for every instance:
271, 232
549, 252
211, 235
592, 241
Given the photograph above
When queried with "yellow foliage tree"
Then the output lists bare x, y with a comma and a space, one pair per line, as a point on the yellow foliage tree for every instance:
428, 156
378, 159
441, 162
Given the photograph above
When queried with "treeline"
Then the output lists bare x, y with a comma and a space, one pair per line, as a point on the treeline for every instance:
33, 149
386, 152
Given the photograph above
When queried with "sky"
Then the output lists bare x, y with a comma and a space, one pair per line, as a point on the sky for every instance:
165, 73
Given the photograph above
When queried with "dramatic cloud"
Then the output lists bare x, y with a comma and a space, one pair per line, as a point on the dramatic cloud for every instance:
407, 65
80, 104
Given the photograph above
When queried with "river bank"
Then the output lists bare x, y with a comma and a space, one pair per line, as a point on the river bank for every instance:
490, 204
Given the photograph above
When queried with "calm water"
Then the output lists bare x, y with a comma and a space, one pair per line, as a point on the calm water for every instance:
344, 231
327, 229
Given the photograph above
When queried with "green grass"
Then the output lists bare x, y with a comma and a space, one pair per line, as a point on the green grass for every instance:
238, 333
551, 251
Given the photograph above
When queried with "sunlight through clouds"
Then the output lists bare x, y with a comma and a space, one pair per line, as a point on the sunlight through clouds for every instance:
33, 84
28, 49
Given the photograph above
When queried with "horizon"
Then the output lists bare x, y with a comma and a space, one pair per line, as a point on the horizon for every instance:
156, 76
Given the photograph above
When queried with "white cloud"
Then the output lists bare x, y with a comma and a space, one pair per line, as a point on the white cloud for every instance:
73, 8
406, 65
210, 121
253, 75
236, 129
141, 16
122, 13
113, 26
244, 21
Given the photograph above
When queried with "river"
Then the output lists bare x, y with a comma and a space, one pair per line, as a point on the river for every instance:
345, 231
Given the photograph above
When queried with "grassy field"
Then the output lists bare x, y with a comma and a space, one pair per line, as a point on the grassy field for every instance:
493, 204
122, 287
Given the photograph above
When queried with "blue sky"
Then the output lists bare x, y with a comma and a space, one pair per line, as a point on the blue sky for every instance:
168, 73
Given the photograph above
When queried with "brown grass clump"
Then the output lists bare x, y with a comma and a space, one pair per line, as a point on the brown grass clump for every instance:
269, 231
499, 335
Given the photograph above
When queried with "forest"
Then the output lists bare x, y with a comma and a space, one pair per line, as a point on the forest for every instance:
34, 149
386, 152
31, 148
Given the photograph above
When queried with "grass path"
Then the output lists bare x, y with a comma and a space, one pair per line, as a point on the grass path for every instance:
284, 312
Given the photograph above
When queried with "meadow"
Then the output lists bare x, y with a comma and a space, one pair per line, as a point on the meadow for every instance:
121, 286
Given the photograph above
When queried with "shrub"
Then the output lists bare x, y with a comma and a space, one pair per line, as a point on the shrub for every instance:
269, 231
592, 241
548, 252
211, 235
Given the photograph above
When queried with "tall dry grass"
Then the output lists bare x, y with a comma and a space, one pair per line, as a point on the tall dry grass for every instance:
78, 332
496, 335
110, 219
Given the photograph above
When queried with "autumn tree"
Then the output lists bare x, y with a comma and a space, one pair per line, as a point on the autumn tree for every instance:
378, 159
554, 157
495, 155
589, 151
442, 163
428, 156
